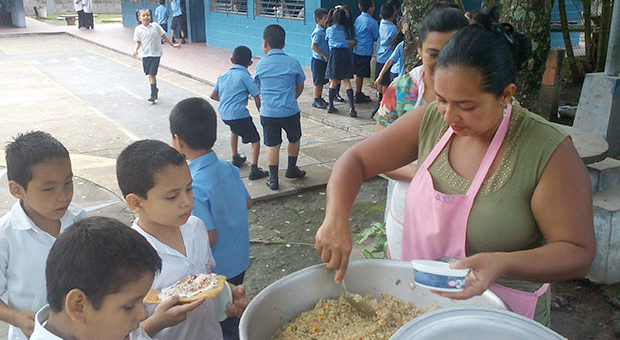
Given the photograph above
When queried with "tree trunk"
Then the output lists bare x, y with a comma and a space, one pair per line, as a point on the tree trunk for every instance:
603, 34
576, 70
532, 18
413, 14
587, 35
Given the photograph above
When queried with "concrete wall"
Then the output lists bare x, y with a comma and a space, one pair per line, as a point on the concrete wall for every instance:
66, 6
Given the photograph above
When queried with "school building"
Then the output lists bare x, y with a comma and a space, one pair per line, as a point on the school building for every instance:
229, 23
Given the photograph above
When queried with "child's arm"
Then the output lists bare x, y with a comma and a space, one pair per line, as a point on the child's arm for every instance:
249, 203
215, 95
315, 48
138, 44
299, 88
165, 37
352, 42
257, 102
212, 237
239, 301
167, 314
386, 67
23, 320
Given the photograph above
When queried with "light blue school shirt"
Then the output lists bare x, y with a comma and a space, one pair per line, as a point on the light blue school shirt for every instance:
161, 13
220, 201
336, 37
233, 88
277, 76
398, 59
366, 32
318, 38
176, 8
387, 32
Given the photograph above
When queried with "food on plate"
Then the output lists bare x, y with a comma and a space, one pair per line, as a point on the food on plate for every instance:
337, 319
191, 288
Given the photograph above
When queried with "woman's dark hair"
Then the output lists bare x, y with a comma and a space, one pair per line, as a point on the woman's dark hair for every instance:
442, 19
494, 49
138, 14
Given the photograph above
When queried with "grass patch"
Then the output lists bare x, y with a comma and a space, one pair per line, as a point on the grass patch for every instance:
99, 18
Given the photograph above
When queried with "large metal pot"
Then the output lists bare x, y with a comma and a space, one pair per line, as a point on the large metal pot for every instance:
300, 291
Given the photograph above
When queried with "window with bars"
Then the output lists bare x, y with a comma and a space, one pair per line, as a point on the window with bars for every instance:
290, 9
230, 6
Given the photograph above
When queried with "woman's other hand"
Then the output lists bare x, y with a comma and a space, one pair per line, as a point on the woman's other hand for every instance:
485, 268
333, 243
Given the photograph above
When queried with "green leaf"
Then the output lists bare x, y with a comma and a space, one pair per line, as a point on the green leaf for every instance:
367, 254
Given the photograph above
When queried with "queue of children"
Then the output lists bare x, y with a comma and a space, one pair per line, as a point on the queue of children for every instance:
342, 49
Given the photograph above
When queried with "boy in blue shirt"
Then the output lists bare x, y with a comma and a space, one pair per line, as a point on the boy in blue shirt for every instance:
221, 200
232, 90
366, 33
320, 52
280, 79
178, 20
387, 31
161, 13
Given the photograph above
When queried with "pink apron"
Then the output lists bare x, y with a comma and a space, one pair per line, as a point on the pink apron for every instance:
435, 224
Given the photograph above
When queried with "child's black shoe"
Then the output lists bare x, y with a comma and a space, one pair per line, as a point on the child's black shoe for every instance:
352, 113
257, 173
338, 98
273, 185
332, 110
238, 160
174, 41
295, 172
361, 98
183, 41
319, 104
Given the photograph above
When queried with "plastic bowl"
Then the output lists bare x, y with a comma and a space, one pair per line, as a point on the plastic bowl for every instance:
437, 275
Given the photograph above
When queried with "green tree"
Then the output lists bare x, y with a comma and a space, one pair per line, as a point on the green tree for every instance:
532, 18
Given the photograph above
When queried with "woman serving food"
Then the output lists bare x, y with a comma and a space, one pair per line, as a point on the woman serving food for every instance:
497, 186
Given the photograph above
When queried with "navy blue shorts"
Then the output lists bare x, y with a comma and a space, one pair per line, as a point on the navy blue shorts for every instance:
245, 128
393, 76
178, 23
361, 65
150, 65
164, 27
318, 72
272, 129
385, 80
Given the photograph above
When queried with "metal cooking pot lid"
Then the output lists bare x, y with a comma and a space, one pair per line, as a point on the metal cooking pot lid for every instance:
468, 323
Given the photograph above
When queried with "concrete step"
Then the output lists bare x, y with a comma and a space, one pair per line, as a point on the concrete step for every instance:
606, 265
605, 174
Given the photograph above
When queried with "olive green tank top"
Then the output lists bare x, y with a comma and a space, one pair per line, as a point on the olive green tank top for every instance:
501, 219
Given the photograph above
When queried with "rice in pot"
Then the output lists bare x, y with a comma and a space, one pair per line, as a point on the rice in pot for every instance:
337, 319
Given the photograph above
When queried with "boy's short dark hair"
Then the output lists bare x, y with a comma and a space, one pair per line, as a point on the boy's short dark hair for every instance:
195, 122
242, 55
365, 5
274, 35
162, 2
29, 149
395, 4
319, 13
99, 256
138, 164
387, 11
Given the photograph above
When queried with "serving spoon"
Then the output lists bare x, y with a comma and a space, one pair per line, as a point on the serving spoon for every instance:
362, 306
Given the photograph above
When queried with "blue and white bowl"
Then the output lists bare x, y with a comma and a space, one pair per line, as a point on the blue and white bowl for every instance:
438, 275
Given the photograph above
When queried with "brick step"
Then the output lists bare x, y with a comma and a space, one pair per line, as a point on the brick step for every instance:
605, 174
606, 265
